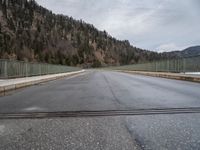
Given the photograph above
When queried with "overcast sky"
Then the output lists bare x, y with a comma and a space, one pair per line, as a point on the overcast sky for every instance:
160, 25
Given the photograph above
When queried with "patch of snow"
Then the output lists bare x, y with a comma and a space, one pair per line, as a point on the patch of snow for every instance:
193, 73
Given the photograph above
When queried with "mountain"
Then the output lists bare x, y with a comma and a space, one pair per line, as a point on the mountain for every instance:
191, 51
30, 32
188, 52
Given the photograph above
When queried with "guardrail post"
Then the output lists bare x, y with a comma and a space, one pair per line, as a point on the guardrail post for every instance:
156, 66
168, 66
184, 70
5, 69
26, 69
178, 68
40, 69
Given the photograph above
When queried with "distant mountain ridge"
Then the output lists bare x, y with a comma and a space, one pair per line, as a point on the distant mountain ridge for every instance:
188, 52
33, 33
191, 51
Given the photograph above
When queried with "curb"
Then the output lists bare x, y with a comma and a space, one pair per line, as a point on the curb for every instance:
23, 84
165, 75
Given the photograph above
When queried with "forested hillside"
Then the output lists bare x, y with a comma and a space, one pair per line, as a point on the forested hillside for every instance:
32, 33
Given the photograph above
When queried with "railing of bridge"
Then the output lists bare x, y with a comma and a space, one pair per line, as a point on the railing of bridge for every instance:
187, 64
15, 69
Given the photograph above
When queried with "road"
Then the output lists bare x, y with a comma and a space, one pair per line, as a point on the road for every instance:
99, 90
103, 90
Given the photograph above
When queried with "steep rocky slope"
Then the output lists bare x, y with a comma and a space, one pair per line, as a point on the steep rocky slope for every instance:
32, 33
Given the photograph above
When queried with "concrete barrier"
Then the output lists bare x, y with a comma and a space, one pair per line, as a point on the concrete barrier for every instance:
10, 85
1, 89
176, 76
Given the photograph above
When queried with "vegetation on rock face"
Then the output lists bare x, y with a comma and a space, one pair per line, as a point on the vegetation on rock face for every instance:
32, 33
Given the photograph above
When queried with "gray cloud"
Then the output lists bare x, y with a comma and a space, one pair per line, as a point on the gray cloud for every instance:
160, 25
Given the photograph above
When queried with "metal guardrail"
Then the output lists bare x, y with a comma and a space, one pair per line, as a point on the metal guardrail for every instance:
14, 69
188, 64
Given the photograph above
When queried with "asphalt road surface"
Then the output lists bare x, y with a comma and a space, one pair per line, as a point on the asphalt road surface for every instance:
101, 90
98, 91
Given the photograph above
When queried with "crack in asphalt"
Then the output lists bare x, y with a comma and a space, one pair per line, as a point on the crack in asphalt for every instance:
134, 137
112, 92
